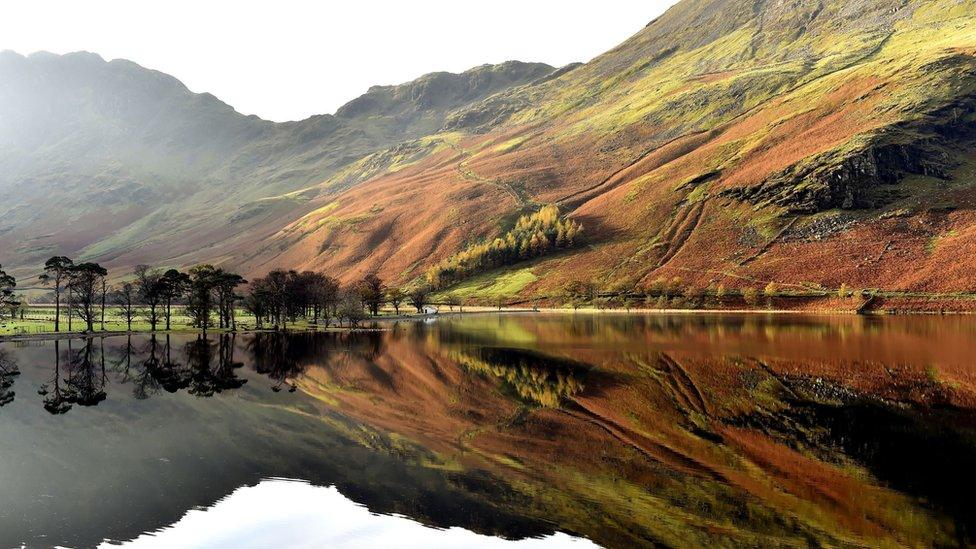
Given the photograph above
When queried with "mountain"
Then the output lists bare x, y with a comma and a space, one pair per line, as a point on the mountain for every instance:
733, 142
119, 163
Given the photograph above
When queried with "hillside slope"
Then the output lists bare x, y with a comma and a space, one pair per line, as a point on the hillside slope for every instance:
733, 142
119, 163
728, 142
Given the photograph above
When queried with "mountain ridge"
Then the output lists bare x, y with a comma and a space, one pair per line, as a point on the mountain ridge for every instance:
162, 142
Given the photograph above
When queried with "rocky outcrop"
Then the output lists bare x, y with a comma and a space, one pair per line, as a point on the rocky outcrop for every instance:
855, 176
442, 90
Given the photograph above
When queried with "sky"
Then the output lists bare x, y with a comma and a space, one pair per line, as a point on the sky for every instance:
290, 59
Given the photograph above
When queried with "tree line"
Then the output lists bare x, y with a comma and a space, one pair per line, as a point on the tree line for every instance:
534, 235
83, 289
663, 293
211, 296
283, 296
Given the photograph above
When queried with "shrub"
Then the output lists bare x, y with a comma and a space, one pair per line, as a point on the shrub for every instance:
580, 292
751, 296
674, 287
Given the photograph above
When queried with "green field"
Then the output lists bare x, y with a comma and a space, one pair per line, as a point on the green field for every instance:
38, 320
487, 287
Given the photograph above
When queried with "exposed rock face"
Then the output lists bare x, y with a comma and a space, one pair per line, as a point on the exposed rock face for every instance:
850, 179
846, 183
496, 109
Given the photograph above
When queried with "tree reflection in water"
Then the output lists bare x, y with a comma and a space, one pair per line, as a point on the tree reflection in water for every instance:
279, 358
532, 377
212, 366
283, 358
55, 398
86, 375
677, 431
8, 372
202, 367
79, 377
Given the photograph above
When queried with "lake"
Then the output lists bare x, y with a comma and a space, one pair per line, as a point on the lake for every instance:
521, 430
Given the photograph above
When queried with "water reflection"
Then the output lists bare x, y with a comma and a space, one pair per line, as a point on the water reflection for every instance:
532, 377
306, 515
80, 373
8, 373
627, 430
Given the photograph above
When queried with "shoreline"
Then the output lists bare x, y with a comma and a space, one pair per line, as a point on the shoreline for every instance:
832, 312
476, 310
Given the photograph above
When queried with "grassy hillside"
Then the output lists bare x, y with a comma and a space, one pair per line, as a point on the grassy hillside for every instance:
115, 162
727, 143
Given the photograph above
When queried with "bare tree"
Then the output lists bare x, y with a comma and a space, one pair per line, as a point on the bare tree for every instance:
126, 296
86, 283
274, 287
151, 288
351, 310
225, 285
256, 304
104, 296
325, 296
287, 295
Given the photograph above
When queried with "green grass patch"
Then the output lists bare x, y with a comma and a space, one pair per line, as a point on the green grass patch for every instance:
511, 145
492, 285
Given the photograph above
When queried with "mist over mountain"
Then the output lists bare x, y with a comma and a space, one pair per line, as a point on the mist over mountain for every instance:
808, 143
105, 158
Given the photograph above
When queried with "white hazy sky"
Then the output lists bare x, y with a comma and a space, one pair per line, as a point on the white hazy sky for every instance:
289, 59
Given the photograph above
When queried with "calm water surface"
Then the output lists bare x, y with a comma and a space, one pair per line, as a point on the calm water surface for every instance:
498, 430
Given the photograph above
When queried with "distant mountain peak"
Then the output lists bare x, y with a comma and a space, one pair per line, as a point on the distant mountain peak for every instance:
442, 89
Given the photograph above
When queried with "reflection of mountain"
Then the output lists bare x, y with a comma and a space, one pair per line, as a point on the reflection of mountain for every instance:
536, 379
627, 430
129, 465
305, 515
671, 439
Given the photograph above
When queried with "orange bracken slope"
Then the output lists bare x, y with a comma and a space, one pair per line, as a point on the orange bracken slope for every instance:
725, 142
